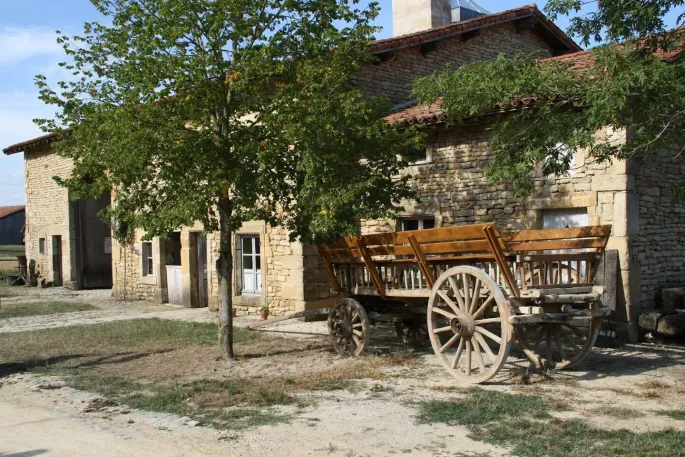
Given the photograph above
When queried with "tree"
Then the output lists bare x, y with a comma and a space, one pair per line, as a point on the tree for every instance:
223, 111
637, 86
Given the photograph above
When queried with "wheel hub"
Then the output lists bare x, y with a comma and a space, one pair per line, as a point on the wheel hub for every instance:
342, 329
463, 325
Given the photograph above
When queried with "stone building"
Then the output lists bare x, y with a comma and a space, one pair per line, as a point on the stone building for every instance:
285, 276
70, 244
634, 196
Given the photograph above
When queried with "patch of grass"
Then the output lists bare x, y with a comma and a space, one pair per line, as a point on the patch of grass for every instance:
563, 438
231, 404
522, 423
40, 347
483, 406
656, 385
42, 308
619, 413
677, 414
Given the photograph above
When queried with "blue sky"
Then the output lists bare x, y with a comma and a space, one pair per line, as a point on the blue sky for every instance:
27, 48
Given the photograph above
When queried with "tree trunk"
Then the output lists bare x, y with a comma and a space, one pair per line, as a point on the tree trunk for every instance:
225, 270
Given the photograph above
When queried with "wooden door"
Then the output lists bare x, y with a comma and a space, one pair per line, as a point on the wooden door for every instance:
57, 261
94, 243
174, 281
202, 269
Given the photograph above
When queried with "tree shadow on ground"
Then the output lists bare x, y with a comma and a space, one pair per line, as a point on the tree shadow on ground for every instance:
87, 360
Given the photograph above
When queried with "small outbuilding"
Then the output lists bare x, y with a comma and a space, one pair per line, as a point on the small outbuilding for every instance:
12, 220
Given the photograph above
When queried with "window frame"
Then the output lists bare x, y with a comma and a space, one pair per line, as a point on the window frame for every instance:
421, 222
147, 264
428, 159
41, 246
255, 271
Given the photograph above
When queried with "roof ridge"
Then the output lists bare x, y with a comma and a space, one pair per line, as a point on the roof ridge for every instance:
531, 7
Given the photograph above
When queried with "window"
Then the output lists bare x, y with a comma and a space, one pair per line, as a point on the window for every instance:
562, 218
421, 223
41, 246
250, 264
146, 259
565, 155
421, 157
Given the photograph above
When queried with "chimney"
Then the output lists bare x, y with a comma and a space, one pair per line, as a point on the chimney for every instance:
409, 16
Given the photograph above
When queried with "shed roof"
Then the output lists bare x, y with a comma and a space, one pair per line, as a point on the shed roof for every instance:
8, 210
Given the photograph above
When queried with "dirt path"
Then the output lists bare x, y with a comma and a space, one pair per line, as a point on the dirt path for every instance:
51, 422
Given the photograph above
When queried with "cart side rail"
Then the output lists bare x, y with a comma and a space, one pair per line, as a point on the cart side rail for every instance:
405, 264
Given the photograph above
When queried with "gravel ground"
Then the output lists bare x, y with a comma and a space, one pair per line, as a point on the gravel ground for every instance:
42, 417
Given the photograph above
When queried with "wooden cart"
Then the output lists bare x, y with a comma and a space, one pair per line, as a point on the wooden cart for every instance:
471, 290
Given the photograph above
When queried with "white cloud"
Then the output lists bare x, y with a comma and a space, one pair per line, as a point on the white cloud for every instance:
17, 44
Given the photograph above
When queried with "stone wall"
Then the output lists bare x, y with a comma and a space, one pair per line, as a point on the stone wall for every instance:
660, 243
128, 280
453, 187
282, 267
48, 213
392, 78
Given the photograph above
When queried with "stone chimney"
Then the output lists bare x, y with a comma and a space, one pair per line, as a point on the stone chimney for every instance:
409, 16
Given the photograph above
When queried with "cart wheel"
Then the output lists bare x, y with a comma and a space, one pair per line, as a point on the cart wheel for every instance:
558, 346
468, 324
348, 327
412, 332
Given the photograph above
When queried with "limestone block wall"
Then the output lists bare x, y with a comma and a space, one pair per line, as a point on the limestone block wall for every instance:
453, 188
282, 267
660, 243
128, 280
392, 78
48, 213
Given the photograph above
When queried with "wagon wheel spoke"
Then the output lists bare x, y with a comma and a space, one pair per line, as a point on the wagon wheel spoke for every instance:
476, 296
467, 291
484, 345
444, 313
484, 306
356, 339
449, 302
557, 340
442, 330
548, 345
457, 356
489, 334
492, 320
568, 338
450, 342
468, 358
479, 356
457, 293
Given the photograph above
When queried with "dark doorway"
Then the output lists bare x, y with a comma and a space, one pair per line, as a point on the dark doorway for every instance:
57, 260
94, 243
201, 269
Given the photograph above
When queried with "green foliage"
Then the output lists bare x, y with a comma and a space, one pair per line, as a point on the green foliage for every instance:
618, 20
576, 108
625, 88
181, 104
